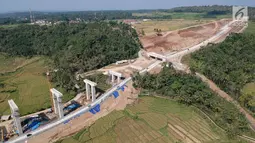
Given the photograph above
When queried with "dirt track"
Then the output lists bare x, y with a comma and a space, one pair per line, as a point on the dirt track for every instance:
224, 95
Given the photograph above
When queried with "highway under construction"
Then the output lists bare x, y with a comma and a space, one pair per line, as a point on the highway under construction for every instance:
35, 127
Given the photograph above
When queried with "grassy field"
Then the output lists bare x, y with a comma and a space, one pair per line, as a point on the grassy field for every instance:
180, 15
28, 87
151, 14
152, 120
9, 26
10, 64
249, 88
187, 15
24, 81
251, 28
165, 25
248, 95
174, 15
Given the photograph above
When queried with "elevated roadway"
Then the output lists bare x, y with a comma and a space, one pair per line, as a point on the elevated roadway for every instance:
24, 137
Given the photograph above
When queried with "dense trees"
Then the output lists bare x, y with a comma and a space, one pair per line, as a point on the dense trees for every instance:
231, 65
22, 17
190, 90
73, 48
212, 10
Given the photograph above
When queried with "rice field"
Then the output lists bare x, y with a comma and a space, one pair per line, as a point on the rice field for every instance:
152, 120
27, 86
251, 28
24, 80
10, 64
25, 83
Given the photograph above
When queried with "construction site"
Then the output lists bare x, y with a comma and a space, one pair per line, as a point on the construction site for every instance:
174, 41
17, 126
64, 119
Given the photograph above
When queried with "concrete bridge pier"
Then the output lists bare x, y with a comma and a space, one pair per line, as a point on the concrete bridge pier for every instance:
90, 89
87, 90
16, 116
57, 100
114, 74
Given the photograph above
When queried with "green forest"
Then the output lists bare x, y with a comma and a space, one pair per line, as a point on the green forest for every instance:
190, 90
231, 65
72, 48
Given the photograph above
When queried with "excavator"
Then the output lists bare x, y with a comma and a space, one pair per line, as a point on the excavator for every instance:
158, 31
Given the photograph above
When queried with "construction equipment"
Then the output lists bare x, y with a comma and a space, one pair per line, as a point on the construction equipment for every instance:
158, 31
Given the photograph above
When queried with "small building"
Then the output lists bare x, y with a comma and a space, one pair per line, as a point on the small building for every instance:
41, 22
144, 20
74, 22
5, 118
121, 62
157, 56
130, 21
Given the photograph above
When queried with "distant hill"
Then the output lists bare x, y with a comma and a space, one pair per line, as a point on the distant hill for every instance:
206, 12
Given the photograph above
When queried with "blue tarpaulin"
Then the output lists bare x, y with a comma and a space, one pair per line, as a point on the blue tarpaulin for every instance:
115, 94
122, 87
97, 108
36, 126
92, 111
32, 124
66, 121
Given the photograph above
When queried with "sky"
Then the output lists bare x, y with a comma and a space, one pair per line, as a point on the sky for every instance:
84, 5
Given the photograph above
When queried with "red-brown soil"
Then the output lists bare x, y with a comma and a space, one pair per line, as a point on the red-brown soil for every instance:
179, 39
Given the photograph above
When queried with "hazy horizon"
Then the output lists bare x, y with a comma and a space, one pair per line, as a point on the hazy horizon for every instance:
7, 6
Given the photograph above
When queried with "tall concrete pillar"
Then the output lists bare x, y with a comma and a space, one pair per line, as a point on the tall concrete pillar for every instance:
93, 92
55, 102
87, 91
118, 79
60, 108
90, 89
57, 99
113, 78
16, 116
113, 74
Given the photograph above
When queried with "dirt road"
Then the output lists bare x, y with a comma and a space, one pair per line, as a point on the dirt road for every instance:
224, 95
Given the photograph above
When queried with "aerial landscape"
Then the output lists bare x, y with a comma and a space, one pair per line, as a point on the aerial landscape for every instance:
127, 72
